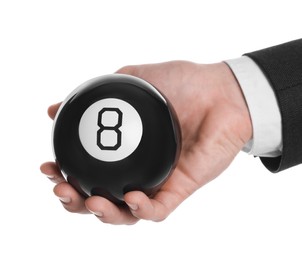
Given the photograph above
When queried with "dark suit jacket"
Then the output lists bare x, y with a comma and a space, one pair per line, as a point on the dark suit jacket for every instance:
282, 66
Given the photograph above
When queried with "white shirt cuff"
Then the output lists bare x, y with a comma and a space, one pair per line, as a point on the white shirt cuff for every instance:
263, 108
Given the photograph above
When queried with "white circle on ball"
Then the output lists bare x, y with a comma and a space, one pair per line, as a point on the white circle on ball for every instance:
110, 129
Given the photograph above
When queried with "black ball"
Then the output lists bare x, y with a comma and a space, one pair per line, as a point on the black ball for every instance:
115, 134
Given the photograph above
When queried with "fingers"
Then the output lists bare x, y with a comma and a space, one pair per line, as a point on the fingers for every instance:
51, 170
108, 212
142, 207
139, 205
70, 198
72, 201
52, 110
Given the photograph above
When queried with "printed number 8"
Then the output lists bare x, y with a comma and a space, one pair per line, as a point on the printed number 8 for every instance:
115, 128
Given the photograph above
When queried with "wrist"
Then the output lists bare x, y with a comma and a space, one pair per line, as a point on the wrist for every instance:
228, 94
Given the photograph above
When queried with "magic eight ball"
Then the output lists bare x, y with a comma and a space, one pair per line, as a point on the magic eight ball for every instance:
114, 134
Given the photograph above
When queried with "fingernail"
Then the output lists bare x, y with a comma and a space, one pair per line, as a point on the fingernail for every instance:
98, 214
132, 206
50, 176
65, 199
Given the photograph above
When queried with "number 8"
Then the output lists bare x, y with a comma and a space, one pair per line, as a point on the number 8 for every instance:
114, 128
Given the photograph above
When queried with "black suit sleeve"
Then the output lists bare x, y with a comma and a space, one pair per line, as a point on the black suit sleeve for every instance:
282, 66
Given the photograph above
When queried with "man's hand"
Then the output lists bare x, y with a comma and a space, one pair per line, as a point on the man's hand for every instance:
215, 125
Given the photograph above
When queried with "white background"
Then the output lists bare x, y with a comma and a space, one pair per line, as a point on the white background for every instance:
47, 48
